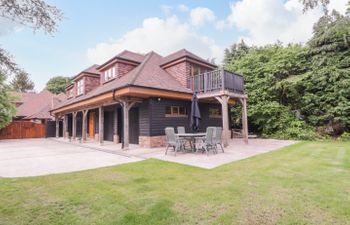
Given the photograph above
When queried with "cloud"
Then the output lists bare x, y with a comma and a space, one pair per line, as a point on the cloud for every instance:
160, 35
166, 9
183, 8
200, 15
266, 21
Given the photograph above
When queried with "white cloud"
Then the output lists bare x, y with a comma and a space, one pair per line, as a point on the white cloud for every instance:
183, 8
267, 21
200, 15
160, 35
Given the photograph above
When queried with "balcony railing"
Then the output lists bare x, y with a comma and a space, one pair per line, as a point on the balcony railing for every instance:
216, 80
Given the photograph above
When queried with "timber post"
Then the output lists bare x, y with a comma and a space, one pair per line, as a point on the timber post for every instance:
244, 120
115, 127
74, 125
84, 130
127, 105
65, 126
57, 126
100, 124
225, 118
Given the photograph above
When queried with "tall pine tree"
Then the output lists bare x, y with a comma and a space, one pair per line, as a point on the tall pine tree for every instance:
22, 83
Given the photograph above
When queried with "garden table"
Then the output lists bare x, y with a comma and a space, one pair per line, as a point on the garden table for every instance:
191, 137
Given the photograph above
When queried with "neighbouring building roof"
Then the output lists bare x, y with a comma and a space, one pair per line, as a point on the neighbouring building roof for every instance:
37, 106
149, 74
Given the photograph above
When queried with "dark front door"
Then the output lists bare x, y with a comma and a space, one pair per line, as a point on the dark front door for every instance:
108, 125
134, 125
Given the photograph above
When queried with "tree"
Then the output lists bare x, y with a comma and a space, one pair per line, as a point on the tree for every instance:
57, 84
311, 4
326, 96
22, 83
35, 14
7, 107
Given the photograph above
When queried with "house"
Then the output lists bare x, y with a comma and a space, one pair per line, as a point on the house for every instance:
32, 115
132, 97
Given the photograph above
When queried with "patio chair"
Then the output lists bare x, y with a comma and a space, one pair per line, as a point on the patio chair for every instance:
173, 140
217, 138
207, 141
181, 130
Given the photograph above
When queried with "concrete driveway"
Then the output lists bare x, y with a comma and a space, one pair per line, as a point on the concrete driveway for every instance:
34, 157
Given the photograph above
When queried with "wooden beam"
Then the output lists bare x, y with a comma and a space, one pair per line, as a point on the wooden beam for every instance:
100, 124
138, 92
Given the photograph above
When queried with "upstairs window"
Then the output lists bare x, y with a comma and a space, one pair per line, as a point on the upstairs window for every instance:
176, 111
80, 87
109, 74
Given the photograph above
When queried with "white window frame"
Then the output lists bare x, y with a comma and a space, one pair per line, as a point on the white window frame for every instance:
80, 87
109, 74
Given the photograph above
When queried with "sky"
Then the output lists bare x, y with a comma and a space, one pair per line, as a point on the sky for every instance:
93, 31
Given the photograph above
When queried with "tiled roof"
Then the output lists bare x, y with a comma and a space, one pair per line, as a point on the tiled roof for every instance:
183, 53
148, 74
38, 105
131, 56
90, 69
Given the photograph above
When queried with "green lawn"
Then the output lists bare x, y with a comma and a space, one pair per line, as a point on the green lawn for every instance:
307, 183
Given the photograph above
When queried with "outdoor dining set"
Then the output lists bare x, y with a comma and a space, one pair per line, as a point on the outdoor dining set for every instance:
195, 142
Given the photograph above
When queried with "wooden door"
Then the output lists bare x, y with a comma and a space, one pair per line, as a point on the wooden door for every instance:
92, 124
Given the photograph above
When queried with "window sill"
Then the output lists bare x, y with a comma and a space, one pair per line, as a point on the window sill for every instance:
181, 116
107, 81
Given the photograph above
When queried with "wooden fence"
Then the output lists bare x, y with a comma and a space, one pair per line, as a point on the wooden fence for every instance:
23, 129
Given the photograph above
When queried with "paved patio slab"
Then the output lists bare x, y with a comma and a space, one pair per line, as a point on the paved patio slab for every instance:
34, 157
236, 150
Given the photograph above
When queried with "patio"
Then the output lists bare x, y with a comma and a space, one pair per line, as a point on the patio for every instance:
236, 150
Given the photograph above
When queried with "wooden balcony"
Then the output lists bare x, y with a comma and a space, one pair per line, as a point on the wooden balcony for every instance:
217, 81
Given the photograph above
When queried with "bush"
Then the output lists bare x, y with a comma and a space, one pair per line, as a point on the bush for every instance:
296, 130
345, 136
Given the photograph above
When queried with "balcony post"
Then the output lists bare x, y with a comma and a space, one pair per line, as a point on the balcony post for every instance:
225, 118
222, 72
245, 120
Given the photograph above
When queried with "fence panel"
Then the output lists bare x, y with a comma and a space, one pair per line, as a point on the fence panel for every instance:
23, 129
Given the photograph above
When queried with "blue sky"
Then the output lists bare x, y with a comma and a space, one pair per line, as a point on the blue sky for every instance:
94, 31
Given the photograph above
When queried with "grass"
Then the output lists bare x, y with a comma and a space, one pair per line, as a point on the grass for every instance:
306, 183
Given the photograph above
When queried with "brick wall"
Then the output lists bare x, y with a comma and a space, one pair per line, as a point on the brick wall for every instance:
91, 83
180, 71
123, 68
152, 142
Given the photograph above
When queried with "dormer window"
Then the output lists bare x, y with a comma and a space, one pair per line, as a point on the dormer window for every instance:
80, 87
110, 73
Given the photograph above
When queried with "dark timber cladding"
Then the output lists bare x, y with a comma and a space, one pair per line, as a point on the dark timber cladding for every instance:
153, 119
